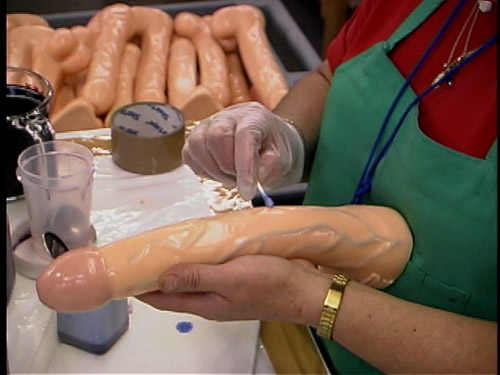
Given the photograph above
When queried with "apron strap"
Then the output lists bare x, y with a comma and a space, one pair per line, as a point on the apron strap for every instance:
492, 153
419, 15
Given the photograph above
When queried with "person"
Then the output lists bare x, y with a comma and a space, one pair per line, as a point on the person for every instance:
382, 121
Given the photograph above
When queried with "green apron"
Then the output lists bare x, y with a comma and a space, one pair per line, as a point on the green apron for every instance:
448, 198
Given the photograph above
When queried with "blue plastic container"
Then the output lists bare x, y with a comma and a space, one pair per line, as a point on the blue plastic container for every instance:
94, 331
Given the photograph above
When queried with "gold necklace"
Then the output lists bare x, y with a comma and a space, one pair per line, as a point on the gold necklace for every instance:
450, 64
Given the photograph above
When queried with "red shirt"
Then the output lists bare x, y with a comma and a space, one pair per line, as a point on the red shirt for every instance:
462, 117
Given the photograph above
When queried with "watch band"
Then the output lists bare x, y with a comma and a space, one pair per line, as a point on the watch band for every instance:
331, 306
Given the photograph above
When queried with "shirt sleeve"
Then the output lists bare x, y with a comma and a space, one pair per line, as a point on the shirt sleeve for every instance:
338, 48
371, 22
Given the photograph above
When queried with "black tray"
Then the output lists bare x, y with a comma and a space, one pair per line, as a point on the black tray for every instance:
292, 49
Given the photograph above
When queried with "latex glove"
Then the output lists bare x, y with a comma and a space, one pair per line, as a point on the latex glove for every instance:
244, 144
261, 287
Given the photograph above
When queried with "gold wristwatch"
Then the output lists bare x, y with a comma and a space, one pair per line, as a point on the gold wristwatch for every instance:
331, 306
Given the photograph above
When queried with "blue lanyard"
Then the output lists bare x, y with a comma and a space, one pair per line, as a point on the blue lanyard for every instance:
365, 182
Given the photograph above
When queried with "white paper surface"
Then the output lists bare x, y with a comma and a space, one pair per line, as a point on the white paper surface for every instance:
125, 204
153, 345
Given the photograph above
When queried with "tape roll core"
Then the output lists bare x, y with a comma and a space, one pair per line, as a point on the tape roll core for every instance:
147, 137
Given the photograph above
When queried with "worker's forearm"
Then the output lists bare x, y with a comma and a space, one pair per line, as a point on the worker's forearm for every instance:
397, 336
304, 105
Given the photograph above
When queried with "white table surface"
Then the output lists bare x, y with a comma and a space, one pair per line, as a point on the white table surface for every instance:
125, 204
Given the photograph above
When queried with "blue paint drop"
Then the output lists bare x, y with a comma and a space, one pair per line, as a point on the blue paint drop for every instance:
184, 327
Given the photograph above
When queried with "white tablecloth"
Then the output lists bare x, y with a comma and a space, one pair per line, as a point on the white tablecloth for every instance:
125, 204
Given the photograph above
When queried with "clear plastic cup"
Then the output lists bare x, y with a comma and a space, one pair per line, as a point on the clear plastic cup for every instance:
57, 179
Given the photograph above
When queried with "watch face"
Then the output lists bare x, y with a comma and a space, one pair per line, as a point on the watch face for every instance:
331, 305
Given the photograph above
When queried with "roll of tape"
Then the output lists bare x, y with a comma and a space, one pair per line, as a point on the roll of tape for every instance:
147, 138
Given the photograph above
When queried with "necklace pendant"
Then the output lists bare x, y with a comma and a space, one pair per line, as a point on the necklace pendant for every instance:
485, 5
438, 77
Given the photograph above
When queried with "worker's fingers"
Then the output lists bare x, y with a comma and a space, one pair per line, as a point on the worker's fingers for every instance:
207, 305
192, 278
220, 143
197, 156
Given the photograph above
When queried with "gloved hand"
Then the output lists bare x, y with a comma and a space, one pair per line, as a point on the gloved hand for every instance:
244, 144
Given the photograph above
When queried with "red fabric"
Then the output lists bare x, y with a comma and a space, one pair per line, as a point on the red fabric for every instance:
463, 117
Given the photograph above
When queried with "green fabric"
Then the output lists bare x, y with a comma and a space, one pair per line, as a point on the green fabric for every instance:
449, 199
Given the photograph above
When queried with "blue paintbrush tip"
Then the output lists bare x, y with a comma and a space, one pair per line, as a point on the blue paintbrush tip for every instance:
267, 199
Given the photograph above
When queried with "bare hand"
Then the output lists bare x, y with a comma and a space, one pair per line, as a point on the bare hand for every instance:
252, 287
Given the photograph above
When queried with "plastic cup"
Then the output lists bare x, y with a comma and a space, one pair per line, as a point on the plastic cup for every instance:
57, 179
